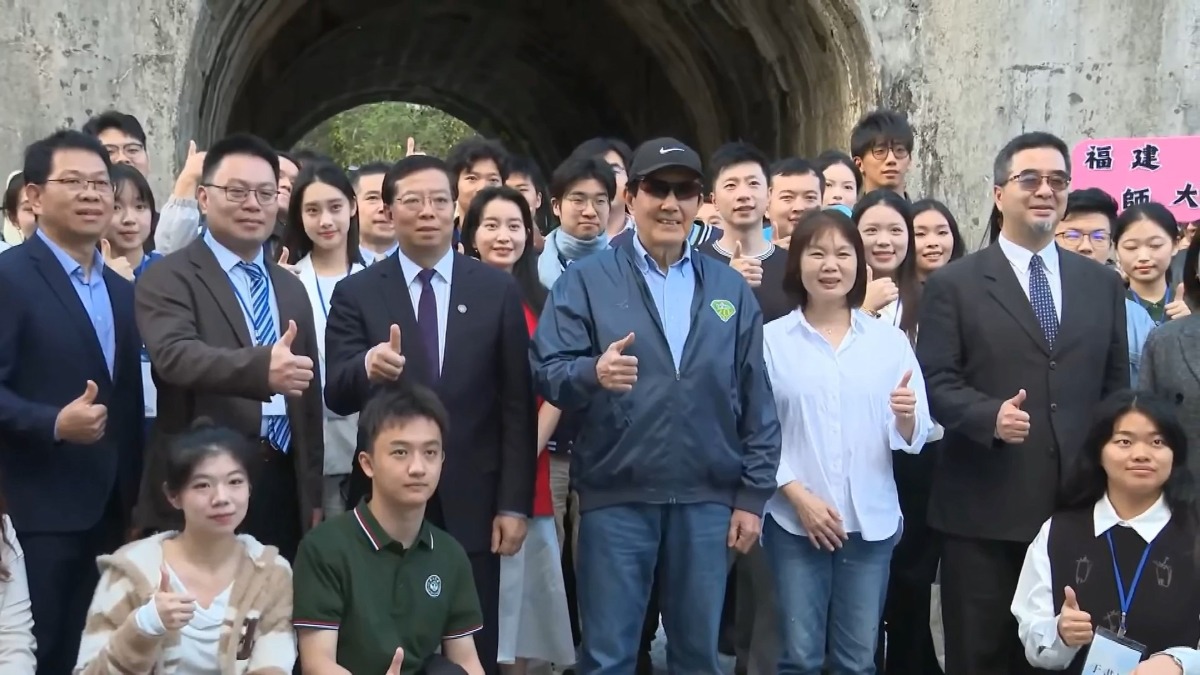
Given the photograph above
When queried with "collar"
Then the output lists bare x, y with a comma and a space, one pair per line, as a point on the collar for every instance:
761, 256
645, 262
797, 321
68, 263
369, 256
377, 537
410, 269
228, 259
1020, 257
1147, 525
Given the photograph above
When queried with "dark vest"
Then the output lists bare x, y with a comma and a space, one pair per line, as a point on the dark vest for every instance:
1166, 604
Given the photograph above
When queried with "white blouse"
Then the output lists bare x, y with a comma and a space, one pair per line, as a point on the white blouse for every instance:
200, 639
835, 416
16, 615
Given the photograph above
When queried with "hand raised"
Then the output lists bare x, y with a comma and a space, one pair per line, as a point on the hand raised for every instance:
175, 610
1012, 423
1074, 624
116, 263
1178, 306
881, 292
749, 267
398, 657
82, 420
385, 363
904, 400
284, 256
616, 371
290, 374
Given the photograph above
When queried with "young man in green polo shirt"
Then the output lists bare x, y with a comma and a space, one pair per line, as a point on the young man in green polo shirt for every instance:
379, 578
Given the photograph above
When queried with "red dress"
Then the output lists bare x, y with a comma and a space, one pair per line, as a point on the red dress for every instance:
543, 505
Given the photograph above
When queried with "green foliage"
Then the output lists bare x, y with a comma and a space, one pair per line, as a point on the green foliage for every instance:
380, 131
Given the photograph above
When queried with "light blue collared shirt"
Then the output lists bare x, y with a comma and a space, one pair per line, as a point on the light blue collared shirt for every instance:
1139, 324
672, 290
229, 261
93, 294
370, 257
444, 269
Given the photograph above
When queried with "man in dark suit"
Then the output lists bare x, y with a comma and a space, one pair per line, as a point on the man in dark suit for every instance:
1018, 343
230, 335
71, 429
453, 324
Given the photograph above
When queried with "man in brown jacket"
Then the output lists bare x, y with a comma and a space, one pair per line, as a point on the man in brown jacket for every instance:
230, 336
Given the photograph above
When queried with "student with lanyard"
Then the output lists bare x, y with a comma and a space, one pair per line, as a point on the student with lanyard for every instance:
322, 236
1145, 235
885, 222
1111, 578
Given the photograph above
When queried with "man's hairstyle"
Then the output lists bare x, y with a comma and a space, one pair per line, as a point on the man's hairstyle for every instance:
811, 226
599, 147
39, 156
397, 406
1002, 167
521, 165
575, 170
368, 169
732, 154
304, 156
115, 119
415, 164
796, 166
238, 144
879, 128
470, 151
1093, 200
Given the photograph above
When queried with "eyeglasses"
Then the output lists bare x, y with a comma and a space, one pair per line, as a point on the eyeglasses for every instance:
77, 185
1075, 236
1030, 181
129, 149
580, 201
412, 202
881, 151
240, 194
661, 189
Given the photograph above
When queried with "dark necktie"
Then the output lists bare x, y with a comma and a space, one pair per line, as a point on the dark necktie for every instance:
1042, 300
427, 322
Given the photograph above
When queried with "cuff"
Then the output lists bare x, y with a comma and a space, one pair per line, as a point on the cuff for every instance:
1186, 658
752, 499
1046, 649
148, 620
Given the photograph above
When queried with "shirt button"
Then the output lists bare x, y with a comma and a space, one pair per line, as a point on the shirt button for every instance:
1053, 407
1053, 365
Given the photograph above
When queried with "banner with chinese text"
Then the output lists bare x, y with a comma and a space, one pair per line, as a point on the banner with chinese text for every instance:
1137, 170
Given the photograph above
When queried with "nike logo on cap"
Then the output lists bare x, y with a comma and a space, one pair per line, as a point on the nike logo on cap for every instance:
663, 151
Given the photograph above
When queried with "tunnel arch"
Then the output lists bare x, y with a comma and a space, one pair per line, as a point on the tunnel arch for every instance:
787, 75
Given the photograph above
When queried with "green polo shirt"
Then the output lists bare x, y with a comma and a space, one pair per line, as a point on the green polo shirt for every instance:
350, 576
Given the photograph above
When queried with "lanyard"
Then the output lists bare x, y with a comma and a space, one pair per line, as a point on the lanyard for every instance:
242, 301
1125, 596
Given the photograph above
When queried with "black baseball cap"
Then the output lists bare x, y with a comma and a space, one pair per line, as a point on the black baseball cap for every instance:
663, 153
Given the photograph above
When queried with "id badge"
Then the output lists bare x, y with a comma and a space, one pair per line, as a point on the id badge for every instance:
1112, 654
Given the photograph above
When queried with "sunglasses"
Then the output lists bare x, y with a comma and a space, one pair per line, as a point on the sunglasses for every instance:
661, 189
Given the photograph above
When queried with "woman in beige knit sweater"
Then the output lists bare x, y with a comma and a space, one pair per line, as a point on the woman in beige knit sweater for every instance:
201, 601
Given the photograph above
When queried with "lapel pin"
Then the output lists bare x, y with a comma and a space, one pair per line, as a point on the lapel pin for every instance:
462, 309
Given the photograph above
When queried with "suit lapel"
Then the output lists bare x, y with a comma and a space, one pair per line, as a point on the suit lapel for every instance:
394, 296
1006, 290
62, 286
1187, 347
212, 277
459, 316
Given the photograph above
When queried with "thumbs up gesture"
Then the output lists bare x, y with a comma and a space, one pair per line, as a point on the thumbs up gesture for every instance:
1012, 423
398, 658
175, 610
385, 363
616, 371
749, 267
1074, 624
410, 148
284, 256
881, 292
904, 400
290, 374
1178, 306
82, 420
117, 263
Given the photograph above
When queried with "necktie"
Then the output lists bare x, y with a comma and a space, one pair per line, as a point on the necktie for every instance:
279, 432
1042, 300
427, 322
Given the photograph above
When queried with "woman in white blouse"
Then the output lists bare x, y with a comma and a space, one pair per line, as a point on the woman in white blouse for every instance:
321, 238
16, 615
849, 391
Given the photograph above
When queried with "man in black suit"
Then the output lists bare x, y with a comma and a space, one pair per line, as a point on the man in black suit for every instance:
1018, 343
453, 324
71, 422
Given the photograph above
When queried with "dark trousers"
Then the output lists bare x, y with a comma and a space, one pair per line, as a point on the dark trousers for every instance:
62, 573
979, 578
273, 516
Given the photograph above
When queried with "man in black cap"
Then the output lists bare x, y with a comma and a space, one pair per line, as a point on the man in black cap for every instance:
659, 350
647, 158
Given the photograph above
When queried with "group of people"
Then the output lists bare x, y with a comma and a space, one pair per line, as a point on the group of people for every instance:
389, 421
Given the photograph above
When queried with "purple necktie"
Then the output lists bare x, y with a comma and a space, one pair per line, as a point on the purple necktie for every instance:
427, 321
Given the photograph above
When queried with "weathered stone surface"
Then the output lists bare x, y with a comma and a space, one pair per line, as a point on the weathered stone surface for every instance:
789, 75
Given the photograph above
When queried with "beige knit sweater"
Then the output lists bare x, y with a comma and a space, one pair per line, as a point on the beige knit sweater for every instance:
256, 637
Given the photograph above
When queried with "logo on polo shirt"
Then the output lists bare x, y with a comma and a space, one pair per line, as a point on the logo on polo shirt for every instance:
724, 309
433, 585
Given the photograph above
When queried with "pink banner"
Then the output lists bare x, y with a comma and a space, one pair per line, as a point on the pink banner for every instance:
1136, 170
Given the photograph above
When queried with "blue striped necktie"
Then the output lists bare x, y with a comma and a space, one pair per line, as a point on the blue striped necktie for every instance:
279, 432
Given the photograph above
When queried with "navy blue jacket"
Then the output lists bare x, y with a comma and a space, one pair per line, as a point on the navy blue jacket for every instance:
706, 434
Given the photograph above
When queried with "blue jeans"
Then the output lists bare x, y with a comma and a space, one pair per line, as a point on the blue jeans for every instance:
620, 547
828, 599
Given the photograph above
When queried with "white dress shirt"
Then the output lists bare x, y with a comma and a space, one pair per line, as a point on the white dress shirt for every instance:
893, 313
835, 414
16, 614
441, 291
1020, 258
1033, 603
